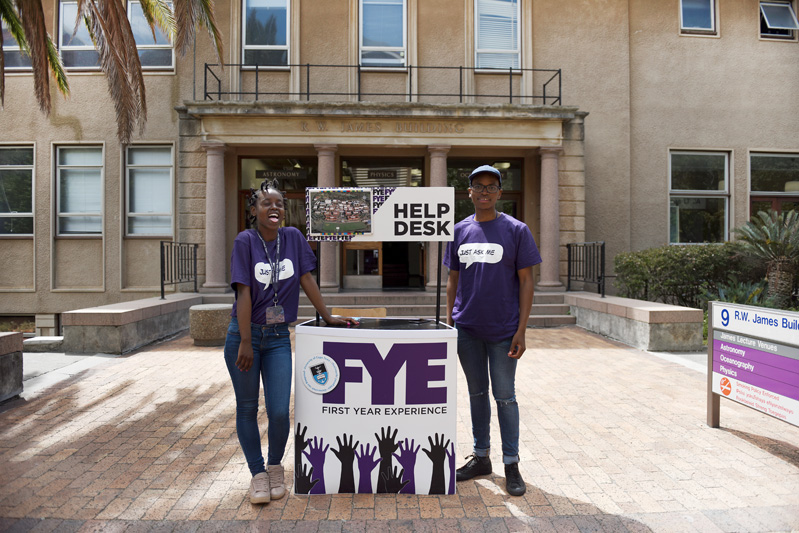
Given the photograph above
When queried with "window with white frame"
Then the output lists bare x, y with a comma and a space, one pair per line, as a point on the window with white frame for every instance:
698, 16
383, 33
698, 196
79, 190
148, 175
77, 51
497, 41
16, 190
774, 182
13, 55
153, 52
265, 34
778, 20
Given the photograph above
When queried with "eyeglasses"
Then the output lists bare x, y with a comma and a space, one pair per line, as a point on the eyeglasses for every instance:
490, 188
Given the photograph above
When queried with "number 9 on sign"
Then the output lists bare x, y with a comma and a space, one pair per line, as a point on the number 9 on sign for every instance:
725, 317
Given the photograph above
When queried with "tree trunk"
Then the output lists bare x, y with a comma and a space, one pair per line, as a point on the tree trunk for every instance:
781, 273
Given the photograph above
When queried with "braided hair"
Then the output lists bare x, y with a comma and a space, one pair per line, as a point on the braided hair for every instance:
266, 185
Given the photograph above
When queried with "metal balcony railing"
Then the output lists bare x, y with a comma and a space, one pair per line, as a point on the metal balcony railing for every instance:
434, 84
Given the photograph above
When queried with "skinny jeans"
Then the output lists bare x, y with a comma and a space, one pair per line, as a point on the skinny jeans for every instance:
487, 363
272, 366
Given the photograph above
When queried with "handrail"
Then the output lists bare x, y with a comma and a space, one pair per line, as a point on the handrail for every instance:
543, 91
178, 264
586, 263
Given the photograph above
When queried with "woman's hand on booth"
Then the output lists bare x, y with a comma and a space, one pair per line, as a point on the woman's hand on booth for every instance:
335, 320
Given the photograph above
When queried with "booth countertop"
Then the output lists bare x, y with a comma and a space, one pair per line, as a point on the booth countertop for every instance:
420, 327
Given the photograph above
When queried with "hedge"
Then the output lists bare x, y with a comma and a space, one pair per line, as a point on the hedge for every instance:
682, 275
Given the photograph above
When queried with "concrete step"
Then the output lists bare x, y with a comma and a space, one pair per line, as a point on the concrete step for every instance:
43, 344
429, 310
380, 298
225, 298
551, 321
549, 309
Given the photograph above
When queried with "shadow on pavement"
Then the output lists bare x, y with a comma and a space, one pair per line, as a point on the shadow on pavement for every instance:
785, 451
116, 449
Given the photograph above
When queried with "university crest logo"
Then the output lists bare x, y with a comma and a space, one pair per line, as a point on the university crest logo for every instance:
319, 373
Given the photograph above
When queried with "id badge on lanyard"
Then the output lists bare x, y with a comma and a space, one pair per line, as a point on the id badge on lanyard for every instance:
274, 314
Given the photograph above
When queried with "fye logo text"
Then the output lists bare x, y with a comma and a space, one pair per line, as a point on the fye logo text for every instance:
421, 219
480, 253
420, 370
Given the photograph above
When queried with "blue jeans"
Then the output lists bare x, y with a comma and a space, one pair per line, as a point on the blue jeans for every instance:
271, 347
480, 360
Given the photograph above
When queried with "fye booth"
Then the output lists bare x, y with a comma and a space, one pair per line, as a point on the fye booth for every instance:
375, 404
753, 359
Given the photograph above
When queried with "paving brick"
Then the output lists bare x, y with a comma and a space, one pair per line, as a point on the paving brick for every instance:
612, 439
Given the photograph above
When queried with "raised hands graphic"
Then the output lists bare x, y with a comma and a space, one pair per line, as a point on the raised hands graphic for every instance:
302, 480
451, 457
407, 460
316, 456
387, 445
299, 445
366, 464
346, 455
437, 454
393, 481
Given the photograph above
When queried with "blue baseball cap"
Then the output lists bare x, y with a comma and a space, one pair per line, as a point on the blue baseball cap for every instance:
485, 169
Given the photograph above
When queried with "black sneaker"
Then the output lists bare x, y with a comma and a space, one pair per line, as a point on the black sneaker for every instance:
477, 466
514, 483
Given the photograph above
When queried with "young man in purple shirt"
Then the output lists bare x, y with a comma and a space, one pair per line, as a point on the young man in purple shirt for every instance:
489, 297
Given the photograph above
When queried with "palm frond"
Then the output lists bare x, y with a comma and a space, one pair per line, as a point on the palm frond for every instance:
31, 17
56, 67
159, 14
190, 13
119, 60
9, 15
772, 236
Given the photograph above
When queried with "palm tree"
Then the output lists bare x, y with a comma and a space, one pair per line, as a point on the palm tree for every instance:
774, 238
110, 30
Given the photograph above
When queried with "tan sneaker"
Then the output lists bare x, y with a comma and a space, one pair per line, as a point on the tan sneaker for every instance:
276, 481
259, 488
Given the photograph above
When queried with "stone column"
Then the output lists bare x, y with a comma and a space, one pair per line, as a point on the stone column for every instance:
438, 178
326, 170
215, 260
550, 222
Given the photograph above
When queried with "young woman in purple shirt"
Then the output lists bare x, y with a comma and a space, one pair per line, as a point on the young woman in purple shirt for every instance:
268, 266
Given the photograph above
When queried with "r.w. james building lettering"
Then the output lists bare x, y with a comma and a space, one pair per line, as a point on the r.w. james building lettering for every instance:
394, 127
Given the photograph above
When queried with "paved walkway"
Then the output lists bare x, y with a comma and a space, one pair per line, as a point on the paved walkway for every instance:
613, 439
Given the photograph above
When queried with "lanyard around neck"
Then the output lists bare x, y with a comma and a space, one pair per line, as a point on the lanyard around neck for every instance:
272, 264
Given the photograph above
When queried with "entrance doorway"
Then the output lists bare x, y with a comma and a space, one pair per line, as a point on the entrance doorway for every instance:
403, 265
382, 265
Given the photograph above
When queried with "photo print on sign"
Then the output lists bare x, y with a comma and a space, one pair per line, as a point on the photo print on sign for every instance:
316, 200
339, 212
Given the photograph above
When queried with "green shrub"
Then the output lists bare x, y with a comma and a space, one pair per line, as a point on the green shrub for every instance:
740, 292
682, 275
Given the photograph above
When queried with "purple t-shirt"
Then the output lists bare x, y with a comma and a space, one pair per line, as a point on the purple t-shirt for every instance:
487, 256
249, 266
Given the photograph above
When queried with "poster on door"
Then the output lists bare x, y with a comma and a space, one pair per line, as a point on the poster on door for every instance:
375, 409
